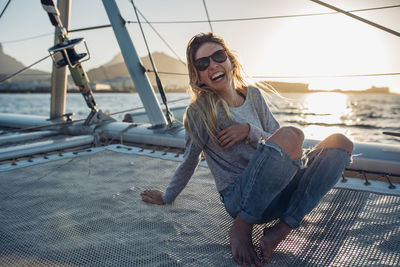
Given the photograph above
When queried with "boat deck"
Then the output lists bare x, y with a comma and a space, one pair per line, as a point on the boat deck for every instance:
85, 209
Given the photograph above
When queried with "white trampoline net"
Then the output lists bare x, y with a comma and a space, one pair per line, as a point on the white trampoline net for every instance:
87, 211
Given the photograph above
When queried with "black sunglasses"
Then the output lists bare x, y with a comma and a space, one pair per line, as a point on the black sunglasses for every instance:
203, 62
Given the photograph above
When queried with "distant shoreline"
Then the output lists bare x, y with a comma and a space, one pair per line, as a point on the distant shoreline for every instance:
185, 91
280, 87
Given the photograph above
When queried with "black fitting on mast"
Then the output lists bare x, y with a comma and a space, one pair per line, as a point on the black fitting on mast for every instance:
64, 54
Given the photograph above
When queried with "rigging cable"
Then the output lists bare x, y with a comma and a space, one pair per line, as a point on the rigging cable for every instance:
24, 69
238, 19
142, 107
267, 17
2, 12
162, 39
208, 17
28, 38
148, 22
222, 20
203, 21
63, 123
158, 81
358, 18
328, 76
301, 76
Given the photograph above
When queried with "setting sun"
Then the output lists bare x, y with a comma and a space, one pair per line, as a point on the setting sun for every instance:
329, 104
324, 54
324, 109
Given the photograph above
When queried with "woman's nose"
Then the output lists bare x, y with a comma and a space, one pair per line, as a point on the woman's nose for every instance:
212, 63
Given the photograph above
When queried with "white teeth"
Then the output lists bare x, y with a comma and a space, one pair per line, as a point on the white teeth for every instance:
217, 75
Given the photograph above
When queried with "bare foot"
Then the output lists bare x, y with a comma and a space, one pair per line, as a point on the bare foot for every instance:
272, 237
241, 245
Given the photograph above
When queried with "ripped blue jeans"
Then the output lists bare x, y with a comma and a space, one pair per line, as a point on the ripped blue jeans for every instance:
274, 186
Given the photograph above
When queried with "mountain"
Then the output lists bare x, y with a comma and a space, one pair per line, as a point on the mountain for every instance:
285, 87
116, 69
9, 65
371, 90
116, 60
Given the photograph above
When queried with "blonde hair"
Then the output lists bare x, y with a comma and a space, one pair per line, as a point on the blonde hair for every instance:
205, 101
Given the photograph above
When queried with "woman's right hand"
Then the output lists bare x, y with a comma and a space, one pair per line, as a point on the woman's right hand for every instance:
153, 197
229, 136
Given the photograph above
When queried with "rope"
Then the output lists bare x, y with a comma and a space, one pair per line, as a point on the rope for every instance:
144, 38
138, 108
323, 76
249, 76
126, 110
148, 22
206, 21
24, 69
42, 126
208, 17
71, 122
159, 84
298, 76
358, 18
227, 20
267, 17
165, 72
28, 38
120, 134
4, 9
162, 39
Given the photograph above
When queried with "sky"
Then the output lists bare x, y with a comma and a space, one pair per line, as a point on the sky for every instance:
324, 45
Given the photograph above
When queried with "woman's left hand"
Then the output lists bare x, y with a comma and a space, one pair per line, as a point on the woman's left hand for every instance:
229, 136
153, 197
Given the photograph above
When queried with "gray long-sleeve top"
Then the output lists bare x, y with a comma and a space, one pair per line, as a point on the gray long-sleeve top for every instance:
225, 165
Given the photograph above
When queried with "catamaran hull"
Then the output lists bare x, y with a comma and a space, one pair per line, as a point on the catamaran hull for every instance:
368, 157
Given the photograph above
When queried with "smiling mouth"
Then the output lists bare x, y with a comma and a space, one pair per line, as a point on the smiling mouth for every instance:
217, 77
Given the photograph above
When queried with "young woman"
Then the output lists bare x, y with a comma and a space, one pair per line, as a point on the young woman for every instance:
259, 167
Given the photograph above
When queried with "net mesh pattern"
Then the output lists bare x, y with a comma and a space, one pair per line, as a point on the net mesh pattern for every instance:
87, 211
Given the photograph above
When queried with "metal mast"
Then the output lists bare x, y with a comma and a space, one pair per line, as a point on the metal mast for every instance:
59, 75
134, 66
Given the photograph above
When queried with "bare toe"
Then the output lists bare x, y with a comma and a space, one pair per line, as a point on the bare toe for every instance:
272, 237
242, 248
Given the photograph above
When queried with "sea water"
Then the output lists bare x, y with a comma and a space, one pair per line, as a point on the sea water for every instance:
362, 117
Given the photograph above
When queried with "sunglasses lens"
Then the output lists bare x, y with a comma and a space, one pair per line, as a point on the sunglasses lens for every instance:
219, 56
202, 63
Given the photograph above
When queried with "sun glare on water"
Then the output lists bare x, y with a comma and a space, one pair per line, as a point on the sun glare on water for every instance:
324, 113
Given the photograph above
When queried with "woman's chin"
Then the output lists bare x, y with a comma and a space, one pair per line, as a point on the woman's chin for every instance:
221, 85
